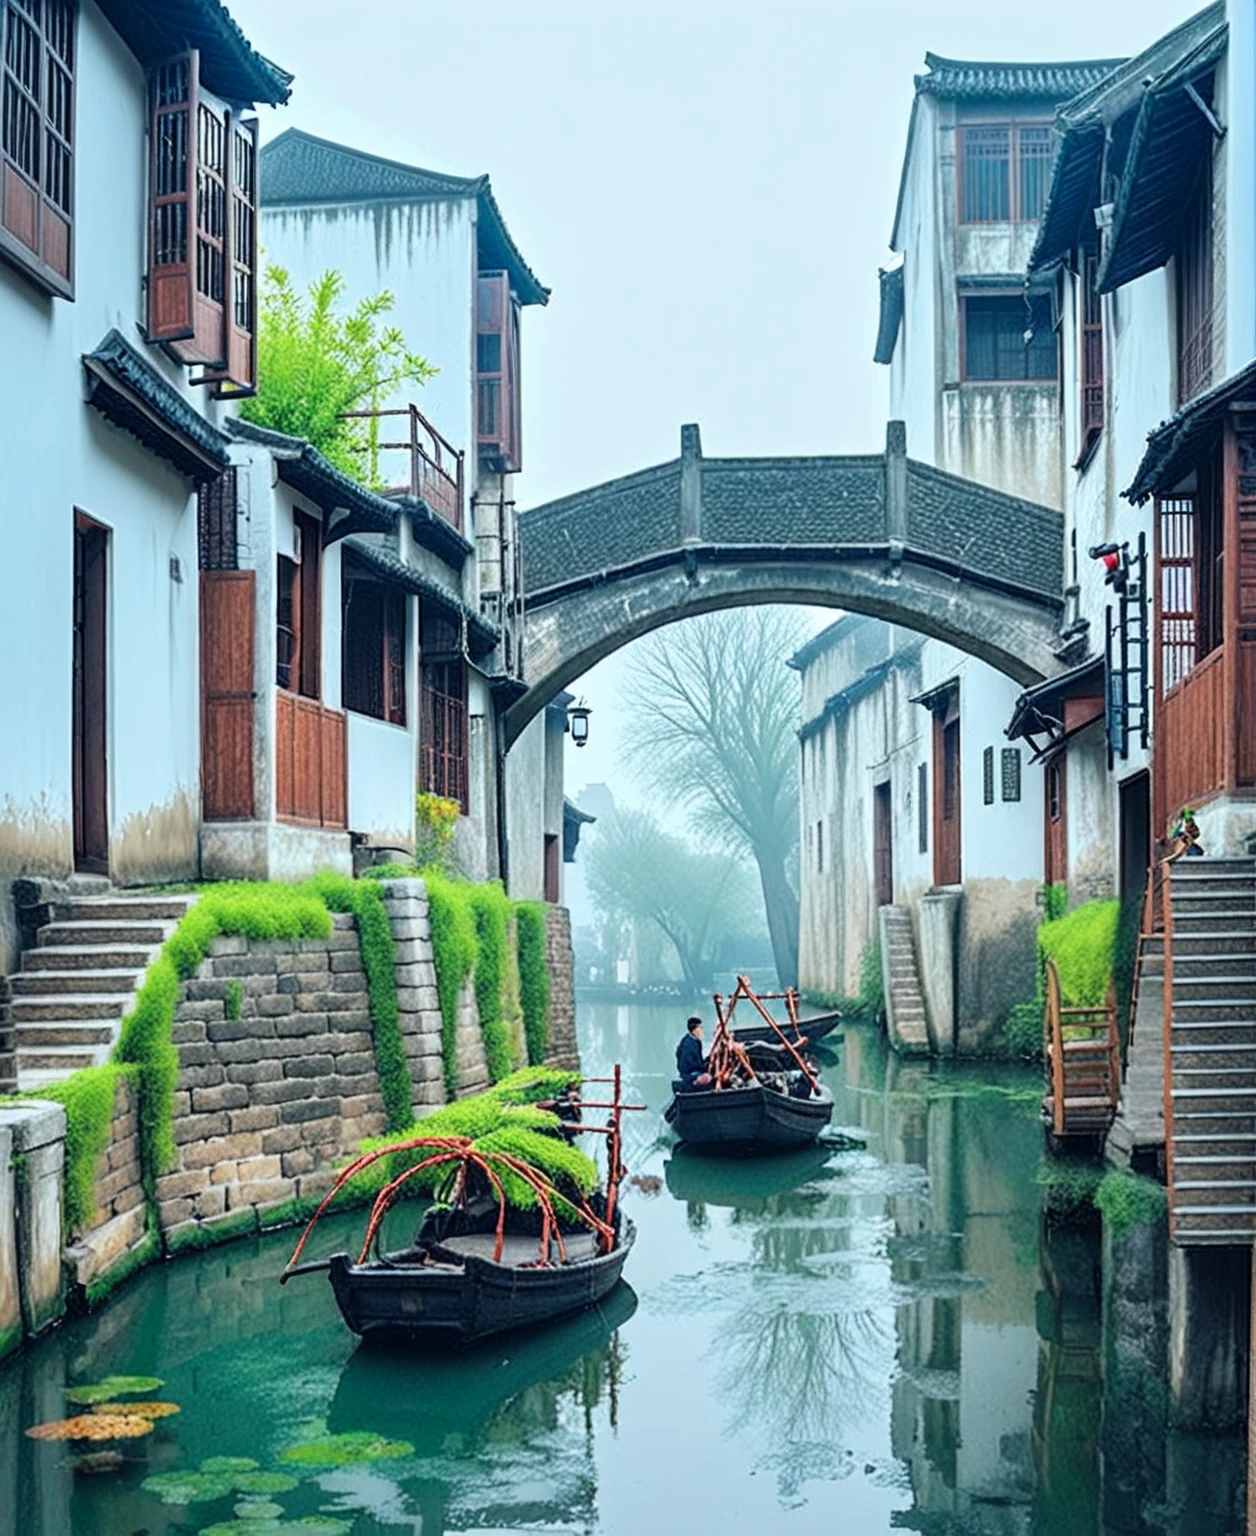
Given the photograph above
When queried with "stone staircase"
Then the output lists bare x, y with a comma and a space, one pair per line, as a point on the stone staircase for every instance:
1211, 1093
76, 982
906, 1020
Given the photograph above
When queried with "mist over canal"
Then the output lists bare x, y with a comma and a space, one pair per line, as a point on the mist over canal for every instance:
832, 1341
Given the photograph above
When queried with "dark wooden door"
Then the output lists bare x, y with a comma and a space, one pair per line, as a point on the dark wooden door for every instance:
553, 885
90, 733
947, 862
1135, 835
228, 622
1055, 821
883, 846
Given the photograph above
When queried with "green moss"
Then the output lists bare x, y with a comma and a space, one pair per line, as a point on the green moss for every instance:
1022, 1032
103, 1286
234, 998
490, 907
1127, 1200
454, 944
533, 1085
375, 944
207, 1234
534, 977
872, 981
88, 1097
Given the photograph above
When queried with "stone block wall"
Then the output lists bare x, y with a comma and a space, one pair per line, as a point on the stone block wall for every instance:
564, 1050
118, 1231
268, 1103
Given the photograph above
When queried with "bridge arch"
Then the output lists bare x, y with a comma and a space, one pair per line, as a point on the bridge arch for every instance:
877, 534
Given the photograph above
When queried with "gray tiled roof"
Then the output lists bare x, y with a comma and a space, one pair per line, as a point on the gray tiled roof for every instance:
230, 65
1172, 447
298, 168
1007, 81
385, 562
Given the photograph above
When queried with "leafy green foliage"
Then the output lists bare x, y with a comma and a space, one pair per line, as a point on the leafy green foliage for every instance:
347, 1450
490, 906
105, 1391
1054, 901
375, 944
1022, 1032
454, 946
88, 1098
234, 998
872, 981
533, 1085
1069, 1186
1083, 946
435, 819
316, 362
534, 977
1127, 1200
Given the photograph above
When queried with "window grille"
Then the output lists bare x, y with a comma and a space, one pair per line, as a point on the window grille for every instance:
1011, 765
1091, 305
1005, 172
443, 741
37, 138
216, 510
1194, 294
995, 348
987, 776
374, 643
1175, 561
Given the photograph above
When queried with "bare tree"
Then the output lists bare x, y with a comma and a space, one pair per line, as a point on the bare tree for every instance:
715, 717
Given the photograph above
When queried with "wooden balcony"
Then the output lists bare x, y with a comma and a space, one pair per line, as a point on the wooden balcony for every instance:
310, 763
414, 459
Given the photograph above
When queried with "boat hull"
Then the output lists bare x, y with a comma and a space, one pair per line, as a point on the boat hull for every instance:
752, 1119
473, 1300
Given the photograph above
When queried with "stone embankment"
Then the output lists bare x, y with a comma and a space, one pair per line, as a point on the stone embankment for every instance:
277, 1086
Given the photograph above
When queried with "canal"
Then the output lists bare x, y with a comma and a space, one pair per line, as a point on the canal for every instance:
857, 1341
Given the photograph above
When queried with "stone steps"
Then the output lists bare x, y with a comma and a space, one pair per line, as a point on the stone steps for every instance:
906, 1018
67, 1003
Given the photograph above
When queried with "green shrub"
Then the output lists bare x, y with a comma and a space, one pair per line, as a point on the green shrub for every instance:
365, 901
534, 977
1069, 1186
1083, 946
490, 906
872, 981
1127, 1199
234, 999
435, 820
454, 944
1054, 901
1022, 1032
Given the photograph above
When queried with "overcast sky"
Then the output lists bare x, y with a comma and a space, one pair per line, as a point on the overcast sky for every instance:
706, 185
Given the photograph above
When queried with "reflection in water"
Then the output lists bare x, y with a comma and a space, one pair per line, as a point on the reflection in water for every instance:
862, 1341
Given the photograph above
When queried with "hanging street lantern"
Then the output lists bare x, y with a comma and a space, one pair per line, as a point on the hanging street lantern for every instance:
578, 723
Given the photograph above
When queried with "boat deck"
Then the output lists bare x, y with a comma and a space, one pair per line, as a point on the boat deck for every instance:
517, 1250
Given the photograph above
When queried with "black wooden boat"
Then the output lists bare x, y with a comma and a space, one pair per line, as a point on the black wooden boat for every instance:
749, 1117
448, 1284
812, 1030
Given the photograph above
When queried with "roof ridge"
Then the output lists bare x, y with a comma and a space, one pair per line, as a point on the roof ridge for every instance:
473, 184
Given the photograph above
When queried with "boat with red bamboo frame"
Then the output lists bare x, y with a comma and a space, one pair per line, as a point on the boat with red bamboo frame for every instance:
479, 1266
802, 1032
763, 1096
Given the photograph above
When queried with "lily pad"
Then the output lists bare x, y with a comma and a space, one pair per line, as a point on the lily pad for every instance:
258, 1509
309, 1525
219, 1464
91, 1393
140, 1410
264, 1482
346, 1450
93, 1426
188, 1487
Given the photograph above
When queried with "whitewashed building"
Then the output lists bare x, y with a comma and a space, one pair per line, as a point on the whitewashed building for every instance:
913, 774
439, 244
127, 308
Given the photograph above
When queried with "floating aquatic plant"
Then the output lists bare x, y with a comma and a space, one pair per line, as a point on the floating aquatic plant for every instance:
148, 1410
93, 1426
189, 1487
95, 1392
307, 1525
258, 1509
264, 1482
346, 1450
229, 1464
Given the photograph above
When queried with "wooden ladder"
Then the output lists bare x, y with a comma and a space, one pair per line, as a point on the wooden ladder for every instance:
1083, 1055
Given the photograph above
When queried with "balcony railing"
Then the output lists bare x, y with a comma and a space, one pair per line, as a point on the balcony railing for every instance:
417, 462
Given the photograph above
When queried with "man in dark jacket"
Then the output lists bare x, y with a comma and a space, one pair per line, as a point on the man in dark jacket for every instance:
690, 1065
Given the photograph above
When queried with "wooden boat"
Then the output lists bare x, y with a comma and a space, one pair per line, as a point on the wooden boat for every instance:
746, 1183
452, 1284
478, 1266
758, 1096
809, 1031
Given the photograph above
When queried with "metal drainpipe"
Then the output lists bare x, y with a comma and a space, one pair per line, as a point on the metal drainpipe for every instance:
499, 770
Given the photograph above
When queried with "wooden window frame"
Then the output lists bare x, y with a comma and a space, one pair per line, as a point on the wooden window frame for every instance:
299, 586
1092, 406
1000, 295
1055, 819
37, 189
1015, 168
444, 749
216, 513
498, 403
922, 808
1193, 286
389, 626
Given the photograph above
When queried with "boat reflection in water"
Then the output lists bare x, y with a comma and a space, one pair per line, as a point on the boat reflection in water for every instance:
503, 1433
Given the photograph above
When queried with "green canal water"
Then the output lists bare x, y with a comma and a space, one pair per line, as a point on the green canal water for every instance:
852, 1342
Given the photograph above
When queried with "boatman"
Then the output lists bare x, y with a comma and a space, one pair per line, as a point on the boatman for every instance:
690, 1064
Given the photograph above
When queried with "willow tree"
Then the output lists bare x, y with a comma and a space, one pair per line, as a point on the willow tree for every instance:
317, 360
714, 726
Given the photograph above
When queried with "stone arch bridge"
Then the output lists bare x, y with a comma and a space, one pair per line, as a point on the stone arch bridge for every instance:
877, 534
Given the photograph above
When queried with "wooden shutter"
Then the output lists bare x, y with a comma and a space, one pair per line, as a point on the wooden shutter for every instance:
310, 629
1176, 586
497, 370
239, 375
173, 89
37, 139
227, 630
1091, 305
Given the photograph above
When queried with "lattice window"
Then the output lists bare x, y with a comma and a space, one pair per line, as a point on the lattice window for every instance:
216, 511
1175, 562
987, 776
443, 742
1011, 766
1090, 304
1005, 172
995, 346
37, 138
373, 629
